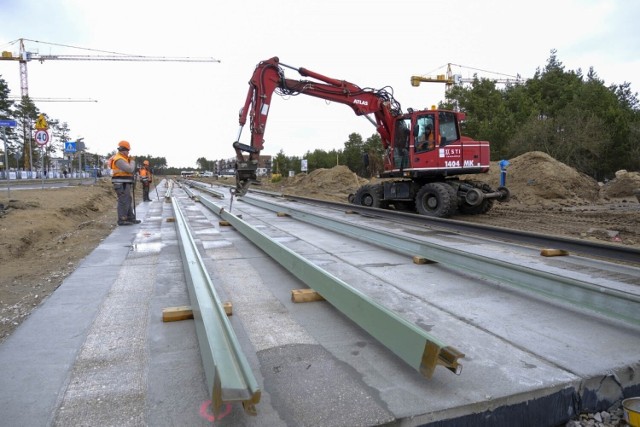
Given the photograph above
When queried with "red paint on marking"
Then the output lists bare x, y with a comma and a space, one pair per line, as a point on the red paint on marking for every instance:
206, 413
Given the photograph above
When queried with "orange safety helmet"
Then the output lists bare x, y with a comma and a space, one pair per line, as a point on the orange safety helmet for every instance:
124, 145
146, 163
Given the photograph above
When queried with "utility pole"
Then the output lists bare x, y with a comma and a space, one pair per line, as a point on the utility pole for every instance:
80, 147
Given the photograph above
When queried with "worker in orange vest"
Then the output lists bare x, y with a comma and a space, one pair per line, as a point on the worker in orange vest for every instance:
123, 170
146, 177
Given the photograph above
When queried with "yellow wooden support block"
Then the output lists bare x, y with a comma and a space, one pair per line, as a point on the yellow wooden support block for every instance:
228, 308
305, 295
282, 214
554, 252
173, 314
422, 260
171, 219
224, 223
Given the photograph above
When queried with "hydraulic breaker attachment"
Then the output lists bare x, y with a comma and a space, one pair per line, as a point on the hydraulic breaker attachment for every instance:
245, 169
245, 176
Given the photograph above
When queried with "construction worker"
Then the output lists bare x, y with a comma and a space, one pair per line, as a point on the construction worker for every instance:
123, 170
146, 177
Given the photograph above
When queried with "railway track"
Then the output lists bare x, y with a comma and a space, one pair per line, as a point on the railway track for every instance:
360, 252
587, 248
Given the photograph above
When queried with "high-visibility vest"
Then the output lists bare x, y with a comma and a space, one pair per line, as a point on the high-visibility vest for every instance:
118, 175
145, 174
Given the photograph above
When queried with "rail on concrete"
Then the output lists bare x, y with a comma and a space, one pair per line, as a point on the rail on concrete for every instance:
613, 303
412, 344
229, 376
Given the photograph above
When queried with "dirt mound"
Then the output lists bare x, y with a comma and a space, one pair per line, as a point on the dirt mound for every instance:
331, 184
625, 184
536, 178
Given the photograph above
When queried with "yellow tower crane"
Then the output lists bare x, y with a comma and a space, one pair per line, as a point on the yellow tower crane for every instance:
23, 57
450, 79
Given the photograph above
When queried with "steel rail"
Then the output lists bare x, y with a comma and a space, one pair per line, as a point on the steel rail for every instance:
229, 376
587, 248
206, 188
412, 344
609, 302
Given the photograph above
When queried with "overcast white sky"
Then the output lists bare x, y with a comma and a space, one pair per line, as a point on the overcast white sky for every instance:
184, 111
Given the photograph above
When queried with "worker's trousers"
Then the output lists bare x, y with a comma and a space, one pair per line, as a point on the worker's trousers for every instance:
123, 191
145, 191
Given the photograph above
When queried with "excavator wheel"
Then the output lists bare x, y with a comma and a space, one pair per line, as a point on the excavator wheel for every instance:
370, 195
453, 193
484, 207
434, 199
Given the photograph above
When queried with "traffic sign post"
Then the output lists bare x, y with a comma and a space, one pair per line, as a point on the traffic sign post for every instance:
41, 123
42, 137
70, 147
8, 123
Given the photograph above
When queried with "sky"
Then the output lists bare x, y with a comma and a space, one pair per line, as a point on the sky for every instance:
184, 111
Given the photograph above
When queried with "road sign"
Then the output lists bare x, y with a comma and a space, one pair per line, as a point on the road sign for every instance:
42, 137
8, 123
70, 147
41, 123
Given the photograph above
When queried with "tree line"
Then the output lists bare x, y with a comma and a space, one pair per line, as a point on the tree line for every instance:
571, 116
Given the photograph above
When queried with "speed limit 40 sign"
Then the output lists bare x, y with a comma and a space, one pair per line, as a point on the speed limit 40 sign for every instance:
42, 137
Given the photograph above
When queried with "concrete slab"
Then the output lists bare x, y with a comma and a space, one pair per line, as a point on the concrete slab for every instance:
97, 352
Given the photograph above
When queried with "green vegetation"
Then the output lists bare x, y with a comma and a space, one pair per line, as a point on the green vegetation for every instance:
573, 117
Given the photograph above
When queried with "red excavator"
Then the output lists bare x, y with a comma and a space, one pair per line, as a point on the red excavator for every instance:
424, 151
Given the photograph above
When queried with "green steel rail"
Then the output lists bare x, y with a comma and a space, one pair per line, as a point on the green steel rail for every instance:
229, 376
613, 303
411, 343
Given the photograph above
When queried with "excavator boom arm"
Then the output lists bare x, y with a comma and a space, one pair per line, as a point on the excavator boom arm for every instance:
268, 77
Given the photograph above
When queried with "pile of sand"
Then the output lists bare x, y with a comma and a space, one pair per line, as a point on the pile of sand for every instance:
625, 184
535, 177
332, 184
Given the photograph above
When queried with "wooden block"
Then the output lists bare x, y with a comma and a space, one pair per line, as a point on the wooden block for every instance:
228, 308
305, 295
282, 214
224, 223
554, 252
422, 260
173, 314
350, 212
171, 219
